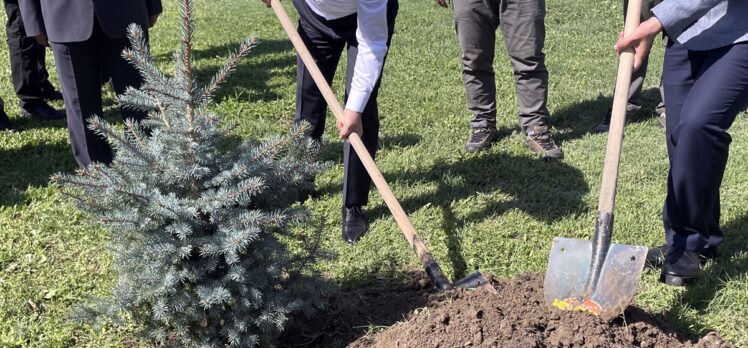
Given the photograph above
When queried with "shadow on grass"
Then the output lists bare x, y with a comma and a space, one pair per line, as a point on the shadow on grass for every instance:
576, 120
333, 150
31, 165
252, 74
546, 190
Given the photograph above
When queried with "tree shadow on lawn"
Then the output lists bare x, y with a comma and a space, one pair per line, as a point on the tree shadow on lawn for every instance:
31, 165
575, 120
252, 74
731, 263
546, 190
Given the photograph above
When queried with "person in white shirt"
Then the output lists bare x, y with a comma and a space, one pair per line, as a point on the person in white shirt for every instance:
364, 29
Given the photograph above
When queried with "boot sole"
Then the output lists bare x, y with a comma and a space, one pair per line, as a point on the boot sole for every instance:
486, 147
544, 155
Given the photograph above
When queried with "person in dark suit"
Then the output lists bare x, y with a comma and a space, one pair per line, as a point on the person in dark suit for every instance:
28, 69
705, 77
363, 31
85, 36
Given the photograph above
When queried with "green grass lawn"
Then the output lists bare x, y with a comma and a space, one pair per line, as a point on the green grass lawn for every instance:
496, 211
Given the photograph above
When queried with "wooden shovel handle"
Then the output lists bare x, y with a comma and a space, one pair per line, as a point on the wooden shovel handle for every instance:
376, 176
618, 116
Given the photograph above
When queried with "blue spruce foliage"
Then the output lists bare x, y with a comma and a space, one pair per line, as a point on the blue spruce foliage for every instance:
194, 221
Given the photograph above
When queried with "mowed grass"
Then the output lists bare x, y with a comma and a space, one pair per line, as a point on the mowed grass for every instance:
496, 211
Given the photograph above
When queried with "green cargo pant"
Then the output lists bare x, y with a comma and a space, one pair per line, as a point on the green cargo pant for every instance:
522, 25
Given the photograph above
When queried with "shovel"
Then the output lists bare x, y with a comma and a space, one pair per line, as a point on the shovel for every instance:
597, 276
440, 281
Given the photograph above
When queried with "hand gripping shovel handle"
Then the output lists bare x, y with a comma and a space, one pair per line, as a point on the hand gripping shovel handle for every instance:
604, 226
432, 268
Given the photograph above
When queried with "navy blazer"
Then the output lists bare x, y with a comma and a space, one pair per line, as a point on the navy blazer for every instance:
66, 21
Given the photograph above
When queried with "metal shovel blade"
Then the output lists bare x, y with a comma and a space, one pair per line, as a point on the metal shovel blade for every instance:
475, 281
567, 274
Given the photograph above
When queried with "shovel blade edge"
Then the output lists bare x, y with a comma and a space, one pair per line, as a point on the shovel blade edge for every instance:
565, 280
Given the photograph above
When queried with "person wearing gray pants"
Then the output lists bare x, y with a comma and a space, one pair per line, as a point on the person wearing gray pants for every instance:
522, 23
637, 78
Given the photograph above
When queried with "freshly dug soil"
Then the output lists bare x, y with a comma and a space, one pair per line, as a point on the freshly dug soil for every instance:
516, 317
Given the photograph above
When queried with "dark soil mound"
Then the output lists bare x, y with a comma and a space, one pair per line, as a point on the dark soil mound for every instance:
516, 317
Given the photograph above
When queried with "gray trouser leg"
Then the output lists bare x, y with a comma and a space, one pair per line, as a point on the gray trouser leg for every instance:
476, 22
637, 78
637, 82
523, 26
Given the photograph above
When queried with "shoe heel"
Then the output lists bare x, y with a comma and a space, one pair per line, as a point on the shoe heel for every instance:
674, 280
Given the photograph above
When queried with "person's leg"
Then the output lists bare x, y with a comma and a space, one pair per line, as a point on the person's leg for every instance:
660, 108
325, 47
5, 123
78, 70
476, 22
523, 27
637, 77
705, 91
123, 74
49, 92
356, 181
24, 58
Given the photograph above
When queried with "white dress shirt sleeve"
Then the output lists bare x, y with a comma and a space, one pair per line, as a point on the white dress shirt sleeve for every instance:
372, 48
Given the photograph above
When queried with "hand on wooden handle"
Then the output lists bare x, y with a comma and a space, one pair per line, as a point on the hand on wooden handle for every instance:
640, 40
351, 124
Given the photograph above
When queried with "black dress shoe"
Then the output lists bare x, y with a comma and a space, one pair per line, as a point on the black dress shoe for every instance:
42, 112
354, 224
51, 94
656, 256
681, 266
7, 126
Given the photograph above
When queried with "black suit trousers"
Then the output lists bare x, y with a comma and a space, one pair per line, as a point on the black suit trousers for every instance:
705, 90
326, 40
79, 66
28, 70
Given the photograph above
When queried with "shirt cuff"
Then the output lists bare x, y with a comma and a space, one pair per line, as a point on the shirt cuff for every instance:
357, 100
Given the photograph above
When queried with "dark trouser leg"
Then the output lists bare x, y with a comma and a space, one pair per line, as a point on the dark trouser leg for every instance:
122, 73
660, 108
78, 69
476, 22
356, 181
26, 58
704, 91
523, 26
326, 50
3, 116
637, 83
